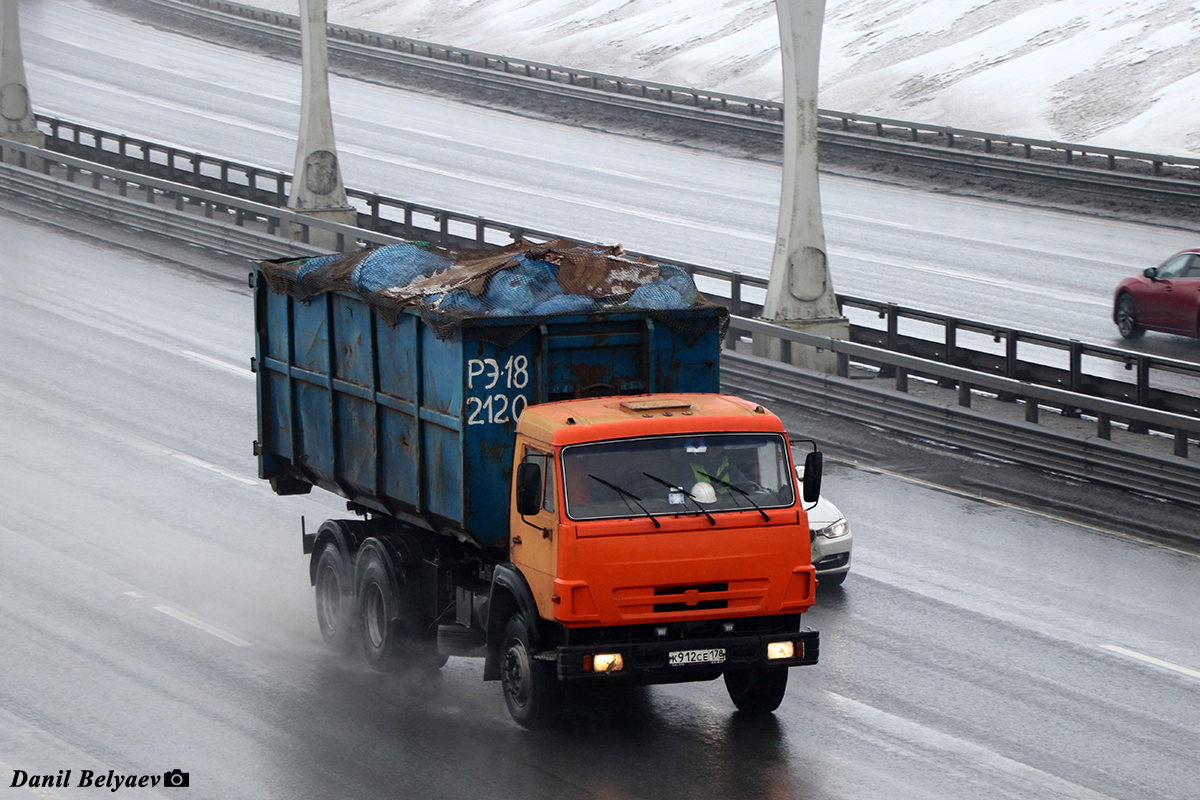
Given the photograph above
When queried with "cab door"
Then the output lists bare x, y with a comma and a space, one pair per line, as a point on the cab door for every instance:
533, 540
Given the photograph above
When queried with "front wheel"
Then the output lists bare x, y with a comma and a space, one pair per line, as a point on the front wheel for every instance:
758, 690
530, 688
1127, 319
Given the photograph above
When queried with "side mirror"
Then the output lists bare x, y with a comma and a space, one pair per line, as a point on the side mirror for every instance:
529, 489
813, 465
1151, 273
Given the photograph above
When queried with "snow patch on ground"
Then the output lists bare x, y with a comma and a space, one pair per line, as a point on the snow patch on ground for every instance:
1113, 73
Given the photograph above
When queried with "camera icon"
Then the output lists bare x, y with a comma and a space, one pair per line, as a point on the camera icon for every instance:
177, 778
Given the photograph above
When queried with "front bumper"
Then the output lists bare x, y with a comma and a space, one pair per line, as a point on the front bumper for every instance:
831, 556
649, 662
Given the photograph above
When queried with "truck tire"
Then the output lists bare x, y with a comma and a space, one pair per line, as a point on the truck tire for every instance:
758, 690
530, 687
336, 616
391, 634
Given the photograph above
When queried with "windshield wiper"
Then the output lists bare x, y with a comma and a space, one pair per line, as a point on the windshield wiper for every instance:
740, 491
630, 495
686, 493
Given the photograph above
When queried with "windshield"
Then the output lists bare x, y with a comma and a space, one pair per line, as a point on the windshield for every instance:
668, 476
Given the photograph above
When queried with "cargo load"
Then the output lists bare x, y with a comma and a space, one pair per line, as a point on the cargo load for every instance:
518, 280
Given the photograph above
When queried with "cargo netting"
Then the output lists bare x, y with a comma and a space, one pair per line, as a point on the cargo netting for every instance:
522, 281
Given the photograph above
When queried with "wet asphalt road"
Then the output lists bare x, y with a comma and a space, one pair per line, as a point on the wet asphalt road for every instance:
157, 614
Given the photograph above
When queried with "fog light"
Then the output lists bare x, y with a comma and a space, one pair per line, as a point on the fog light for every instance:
777, 650
608, 662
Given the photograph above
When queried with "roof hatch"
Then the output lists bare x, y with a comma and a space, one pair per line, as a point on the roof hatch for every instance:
661, 404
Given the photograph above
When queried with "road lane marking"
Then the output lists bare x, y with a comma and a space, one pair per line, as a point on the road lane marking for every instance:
58, 413
170, 105
1006, 205
1158, 662
204, 626
429, 134
196, 462
618, 174
567, 198
963, 755
243, 372
986, 280
843, 215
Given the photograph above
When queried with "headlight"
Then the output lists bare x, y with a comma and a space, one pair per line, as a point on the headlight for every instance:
603, 662
839, 528
777, 650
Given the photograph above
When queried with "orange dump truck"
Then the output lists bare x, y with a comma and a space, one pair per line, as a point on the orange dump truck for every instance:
655, 533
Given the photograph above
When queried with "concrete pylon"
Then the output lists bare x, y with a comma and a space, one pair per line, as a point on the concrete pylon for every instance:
317, 188
17, 122
800, 293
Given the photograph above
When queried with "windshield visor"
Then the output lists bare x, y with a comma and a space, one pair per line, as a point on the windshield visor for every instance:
668, 476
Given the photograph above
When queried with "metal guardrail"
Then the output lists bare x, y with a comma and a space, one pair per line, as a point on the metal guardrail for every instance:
1010, 357
761, 114
901, 367
138, 200
238, 226
1091, 458
1024, 355
377, 213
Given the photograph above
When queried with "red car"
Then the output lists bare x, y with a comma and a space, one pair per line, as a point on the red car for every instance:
1164, 298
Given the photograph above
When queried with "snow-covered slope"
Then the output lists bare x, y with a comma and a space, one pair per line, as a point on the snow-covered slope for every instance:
1116, 73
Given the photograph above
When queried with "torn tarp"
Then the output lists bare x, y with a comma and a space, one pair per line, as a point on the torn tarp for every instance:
522, 279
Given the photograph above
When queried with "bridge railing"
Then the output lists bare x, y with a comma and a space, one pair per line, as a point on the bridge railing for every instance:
968, 381
1115, 455
1101, 371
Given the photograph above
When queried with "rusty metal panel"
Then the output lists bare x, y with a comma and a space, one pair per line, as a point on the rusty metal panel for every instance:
497, 383
409, 424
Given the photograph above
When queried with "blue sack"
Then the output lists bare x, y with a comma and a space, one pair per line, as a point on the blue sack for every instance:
563, 304
680, 281
396, 265
657, 296
315, 263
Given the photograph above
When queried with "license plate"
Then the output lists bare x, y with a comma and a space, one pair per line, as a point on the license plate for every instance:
680, 658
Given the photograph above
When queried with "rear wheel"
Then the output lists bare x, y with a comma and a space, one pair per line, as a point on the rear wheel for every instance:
758, 690
1127, 320
530, 688
393, 635
336, 616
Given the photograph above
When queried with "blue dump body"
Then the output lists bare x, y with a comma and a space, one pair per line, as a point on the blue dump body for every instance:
405, 423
